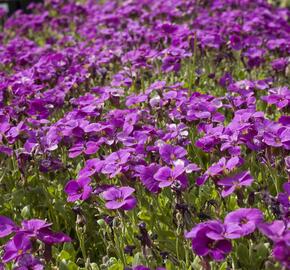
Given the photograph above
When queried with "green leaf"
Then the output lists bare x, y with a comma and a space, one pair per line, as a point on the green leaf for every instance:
64, 255
243, 254
138, 259
144, 215
224, 266
116, 266
169, 265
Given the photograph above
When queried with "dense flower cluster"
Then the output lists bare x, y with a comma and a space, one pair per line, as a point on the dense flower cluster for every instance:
135, 126
20, 246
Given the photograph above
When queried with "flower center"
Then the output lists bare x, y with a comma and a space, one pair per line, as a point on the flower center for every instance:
172, 156
244, 220
212, 245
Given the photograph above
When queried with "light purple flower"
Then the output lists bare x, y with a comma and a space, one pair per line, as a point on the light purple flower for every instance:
119, 198
278, 232
92, 166
170, 153
232, 183
242, 222
223, 166
167, 176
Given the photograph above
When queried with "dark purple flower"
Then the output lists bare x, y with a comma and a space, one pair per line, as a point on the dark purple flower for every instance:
40, 229
147, 177
232, 183
140, 267
242, 222
7, 226
279, 64
281, 252
208, 239
119, 198
284, 197
28, 262
236, 42
33, 226
49, 237
78, 189
16, 247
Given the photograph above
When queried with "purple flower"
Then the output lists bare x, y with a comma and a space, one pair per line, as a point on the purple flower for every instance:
242, 222
49, 237
281, 251
78, 189
232, 183
33, 226
208, 239
284, 197
40, 229
87, 148
223, 166
16, 247
170, 153
275, 230
130, 120
279, 96
7, 226
278, 232
236, 42
28, 262
279, 64
147, 177
167, 176
140, 267
287, 164
92, 166
119, 198
116, 162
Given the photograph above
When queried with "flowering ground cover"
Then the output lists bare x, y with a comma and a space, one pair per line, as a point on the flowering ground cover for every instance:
145, 134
